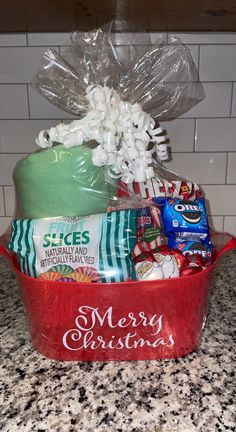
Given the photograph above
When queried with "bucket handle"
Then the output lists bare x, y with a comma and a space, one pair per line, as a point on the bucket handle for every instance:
231, 243
5, 253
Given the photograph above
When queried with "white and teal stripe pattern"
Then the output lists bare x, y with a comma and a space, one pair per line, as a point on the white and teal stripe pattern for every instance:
117, 243
22, 243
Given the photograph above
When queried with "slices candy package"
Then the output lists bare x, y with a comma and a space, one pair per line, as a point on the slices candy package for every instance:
77, 249
83, 249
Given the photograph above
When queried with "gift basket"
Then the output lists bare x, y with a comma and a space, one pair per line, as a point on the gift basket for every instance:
113, 252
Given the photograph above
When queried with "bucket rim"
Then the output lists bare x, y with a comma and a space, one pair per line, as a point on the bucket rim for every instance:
231, 244
34, 280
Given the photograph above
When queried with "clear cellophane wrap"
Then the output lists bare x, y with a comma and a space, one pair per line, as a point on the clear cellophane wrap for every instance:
116, 102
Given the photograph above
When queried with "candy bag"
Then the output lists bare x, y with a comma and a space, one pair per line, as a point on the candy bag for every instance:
165, 184
160, 263
84, 249
75, 249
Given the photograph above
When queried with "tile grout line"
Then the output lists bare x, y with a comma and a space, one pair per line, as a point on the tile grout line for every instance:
226, 171
194, 135
201, 43
231, 101
4, 202
36, 119
13, 46
28, 102
217, 184
199, 53
76, 118
202, 81
45, 45
205, 152
14, 153
218, 152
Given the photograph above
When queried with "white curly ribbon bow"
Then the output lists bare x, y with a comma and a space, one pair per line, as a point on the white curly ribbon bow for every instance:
122, 130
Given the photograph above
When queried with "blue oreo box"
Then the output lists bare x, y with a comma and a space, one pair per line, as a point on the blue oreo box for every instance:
183, 216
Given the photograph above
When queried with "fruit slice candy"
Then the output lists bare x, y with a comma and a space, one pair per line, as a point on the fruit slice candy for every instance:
79, 277
63, 269
50, 275
65, 279
89, 271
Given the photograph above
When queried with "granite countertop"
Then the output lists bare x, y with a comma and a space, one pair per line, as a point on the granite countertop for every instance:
193, 393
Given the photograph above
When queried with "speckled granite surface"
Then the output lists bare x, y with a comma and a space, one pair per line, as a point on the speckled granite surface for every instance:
195, 393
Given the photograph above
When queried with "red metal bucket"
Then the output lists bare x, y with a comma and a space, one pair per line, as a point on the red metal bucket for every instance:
138, 320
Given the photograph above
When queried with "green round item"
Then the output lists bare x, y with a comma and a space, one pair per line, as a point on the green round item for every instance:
60, 182
63, 269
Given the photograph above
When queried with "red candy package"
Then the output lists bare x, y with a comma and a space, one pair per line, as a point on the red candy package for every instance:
159, 187
159, 263
194, 264
149, 230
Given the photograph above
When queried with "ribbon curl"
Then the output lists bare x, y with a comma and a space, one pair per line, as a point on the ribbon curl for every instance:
126, 135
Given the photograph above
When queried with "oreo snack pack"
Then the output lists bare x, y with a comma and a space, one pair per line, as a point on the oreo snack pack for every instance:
189, 248
186, 226
183, 216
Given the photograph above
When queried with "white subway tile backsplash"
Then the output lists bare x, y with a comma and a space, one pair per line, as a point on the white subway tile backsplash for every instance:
18, 136
7, 164
218, 63
4, 224
13, 39
208, 168
207, 38
215, 135
231, 174
180, 133
216, 103
221, 198
230, 224
18, 65
40, 108
2, 209
48, 39
216, 222
9, 194
208, 125
14, 102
